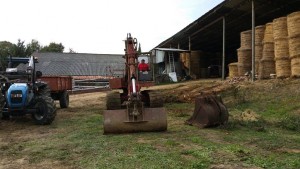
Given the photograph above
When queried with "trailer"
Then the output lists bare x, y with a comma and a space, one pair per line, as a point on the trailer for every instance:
59, 87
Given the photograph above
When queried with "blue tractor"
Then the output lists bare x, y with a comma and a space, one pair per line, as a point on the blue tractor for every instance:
21, 94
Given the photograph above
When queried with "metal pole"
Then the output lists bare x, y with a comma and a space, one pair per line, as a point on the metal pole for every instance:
253, 43
223, 57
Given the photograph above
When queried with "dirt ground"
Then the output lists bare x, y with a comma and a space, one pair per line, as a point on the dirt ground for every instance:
22, 129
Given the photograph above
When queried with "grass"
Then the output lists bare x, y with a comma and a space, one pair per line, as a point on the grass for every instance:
78, 142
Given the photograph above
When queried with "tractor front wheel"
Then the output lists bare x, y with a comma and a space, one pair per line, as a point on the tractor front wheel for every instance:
45, 110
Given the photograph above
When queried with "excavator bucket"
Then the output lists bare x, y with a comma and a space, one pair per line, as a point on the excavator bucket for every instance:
116, 121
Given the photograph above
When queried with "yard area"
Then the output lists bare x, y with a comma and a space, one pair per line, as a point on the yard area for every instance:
269, 138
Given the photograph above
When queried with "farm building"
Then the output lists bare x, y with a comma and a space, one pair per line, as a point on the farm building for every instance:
80, 65
85, 69
223, 36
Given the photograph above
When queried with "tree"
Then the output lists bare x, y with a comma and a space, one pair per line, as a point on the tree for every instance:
53, 47
32, 47
71, 50
5, 50
19, 50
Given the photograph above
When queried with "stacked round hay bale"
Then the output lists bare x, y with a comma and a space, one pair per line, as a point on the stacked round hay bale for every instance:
244, 53
293, 24
281, 47
259, 35
195, 62
233, 70
183, 58
244, 61
246, 37
267, 63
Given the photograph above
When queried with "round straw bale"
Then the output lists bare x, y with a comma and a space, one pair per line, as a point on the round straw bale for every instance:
268, 51
266, 67
233, 69
294, 46
258, 51
295, 66
246, 39
281, 48
283, 68
268, 36
242, 69
293, 24
280, 28
259, 34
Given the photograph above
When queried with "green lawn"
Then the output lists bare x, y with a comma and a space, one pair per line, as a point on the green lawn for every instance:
271, 142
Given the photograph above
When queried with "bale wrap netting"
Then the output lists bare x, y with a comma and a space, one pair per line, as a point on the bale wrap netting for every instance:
266, 68
293, 24
280, 28
233, 69
283, 68
246, 39
268, 36
295, 66
281, 48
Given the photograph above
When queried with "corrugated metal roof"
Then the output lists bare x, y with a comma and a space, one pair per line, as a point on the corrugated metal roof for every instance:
78, 64
171, 49
206, 32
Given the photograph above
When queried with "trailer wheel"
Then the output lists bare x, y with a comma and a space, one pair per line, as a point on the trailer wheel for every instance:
64, 100
45, 110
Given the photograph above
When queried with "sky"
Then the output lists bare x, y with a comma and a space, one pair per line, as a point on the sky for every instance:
98, 26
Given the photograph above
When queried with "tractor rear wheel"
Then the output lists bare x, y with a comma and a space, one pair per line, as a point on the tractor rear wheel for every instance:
45, 110
44, 91
64, 100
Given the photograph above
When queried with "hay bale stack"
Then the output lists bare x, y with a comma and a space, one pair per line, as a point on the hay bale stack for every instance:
246, 37
280, 28
258, 52
268, 35
293, 24
294, 47
295, 67
257, 66
185, 59
266, 67
244, 60
268, 51
195, 62
283, 68
281, 48
259, 34
233, 69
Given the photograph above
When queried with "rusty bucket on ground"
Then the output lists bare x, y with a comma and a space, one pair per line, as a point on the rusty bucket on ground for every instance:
209, 111
116, 121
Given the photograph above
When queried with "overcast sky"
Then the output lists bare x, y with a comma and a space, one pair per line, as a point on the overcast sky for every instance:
97, 26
